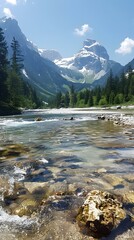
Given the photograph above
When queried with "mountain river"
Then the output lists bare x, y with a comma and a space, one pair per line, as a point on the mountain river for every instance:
53, 163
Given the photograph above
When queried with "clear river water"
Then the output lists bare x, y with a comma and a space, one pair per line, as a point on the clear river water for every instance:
67, 158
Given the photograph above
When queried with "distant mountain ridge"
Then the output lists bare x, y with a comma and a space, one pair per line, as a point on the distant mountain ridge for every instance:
51, 54
88, 68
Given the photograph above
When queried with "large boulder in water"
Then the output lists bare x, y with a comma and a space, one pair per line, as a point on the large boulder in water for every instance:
100, 213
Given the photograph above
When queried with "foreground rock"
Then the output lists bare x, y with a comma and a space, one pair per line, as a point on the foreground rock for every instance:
27, 207
100, 213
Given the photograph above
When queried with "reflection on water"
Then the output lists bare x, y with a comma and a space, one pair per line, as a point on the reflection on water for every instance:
67, 155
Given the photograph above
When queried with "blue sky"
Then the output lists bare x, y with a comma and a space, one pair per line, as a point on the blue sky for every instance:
64, 24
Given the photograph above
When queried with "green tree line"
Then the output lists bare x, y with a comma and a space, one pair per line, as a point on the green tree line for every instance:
13, 90
118, 90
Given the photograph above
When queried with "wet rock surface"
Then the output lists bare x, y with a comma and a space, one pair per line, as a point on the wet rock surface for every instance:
57, 208
12, 150
100, 213
129, 197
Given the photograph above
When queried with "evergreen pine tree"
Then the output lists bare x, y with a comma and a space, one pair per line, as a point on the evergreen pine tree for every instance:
15, 82
67, 99
73, 97
86, 96
90, 101
17, 57
3, 68
110, 87
58, 99
98, 95
14, 85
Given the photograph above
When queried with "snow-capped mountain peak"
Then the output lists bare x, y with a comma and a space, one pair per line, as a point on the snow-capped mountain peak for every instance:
96, 48
92, 60
90, 54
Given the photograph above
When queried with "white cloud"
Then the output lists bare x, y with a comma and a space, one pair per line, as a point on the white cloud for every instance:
83, 30
126, 46
7, 12
14, 2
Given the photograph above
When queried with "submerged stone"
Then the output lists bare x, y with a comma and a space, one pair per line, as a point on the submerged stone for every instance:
113, 179
27, 207
126, 161
33, 186
101, 170
100, 213
129, 197
38, 119
13, 150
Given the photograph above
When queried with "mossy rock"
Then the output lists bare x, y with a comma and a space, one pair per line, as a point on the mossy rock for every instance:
13, 150
27, 207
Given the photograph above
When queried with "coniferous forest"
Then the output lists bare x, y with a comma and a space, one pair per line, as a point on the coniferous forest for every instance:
14, 92
118, 90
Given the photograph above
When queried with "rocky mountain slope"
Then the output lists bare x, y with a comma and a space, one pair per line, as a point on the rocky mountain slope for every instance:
91, 62
51, 54
41, 73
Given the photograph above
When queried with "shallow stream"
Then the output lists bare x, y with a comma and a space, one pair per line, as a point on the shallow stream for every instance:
56, 162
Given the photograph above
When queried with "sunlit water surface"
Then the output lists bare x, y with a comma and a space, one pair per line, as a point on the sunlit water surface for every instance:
69, 151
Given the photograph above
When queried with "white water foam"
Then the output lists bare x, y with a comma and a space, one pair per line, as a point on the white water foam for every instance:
52, 120
20, 122
5, 217
43, 160
14, 123
15, 219
20, 173
11, 182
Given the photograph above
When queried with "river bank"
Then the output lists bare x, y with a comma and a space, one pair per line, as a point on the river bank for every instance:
121, 115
